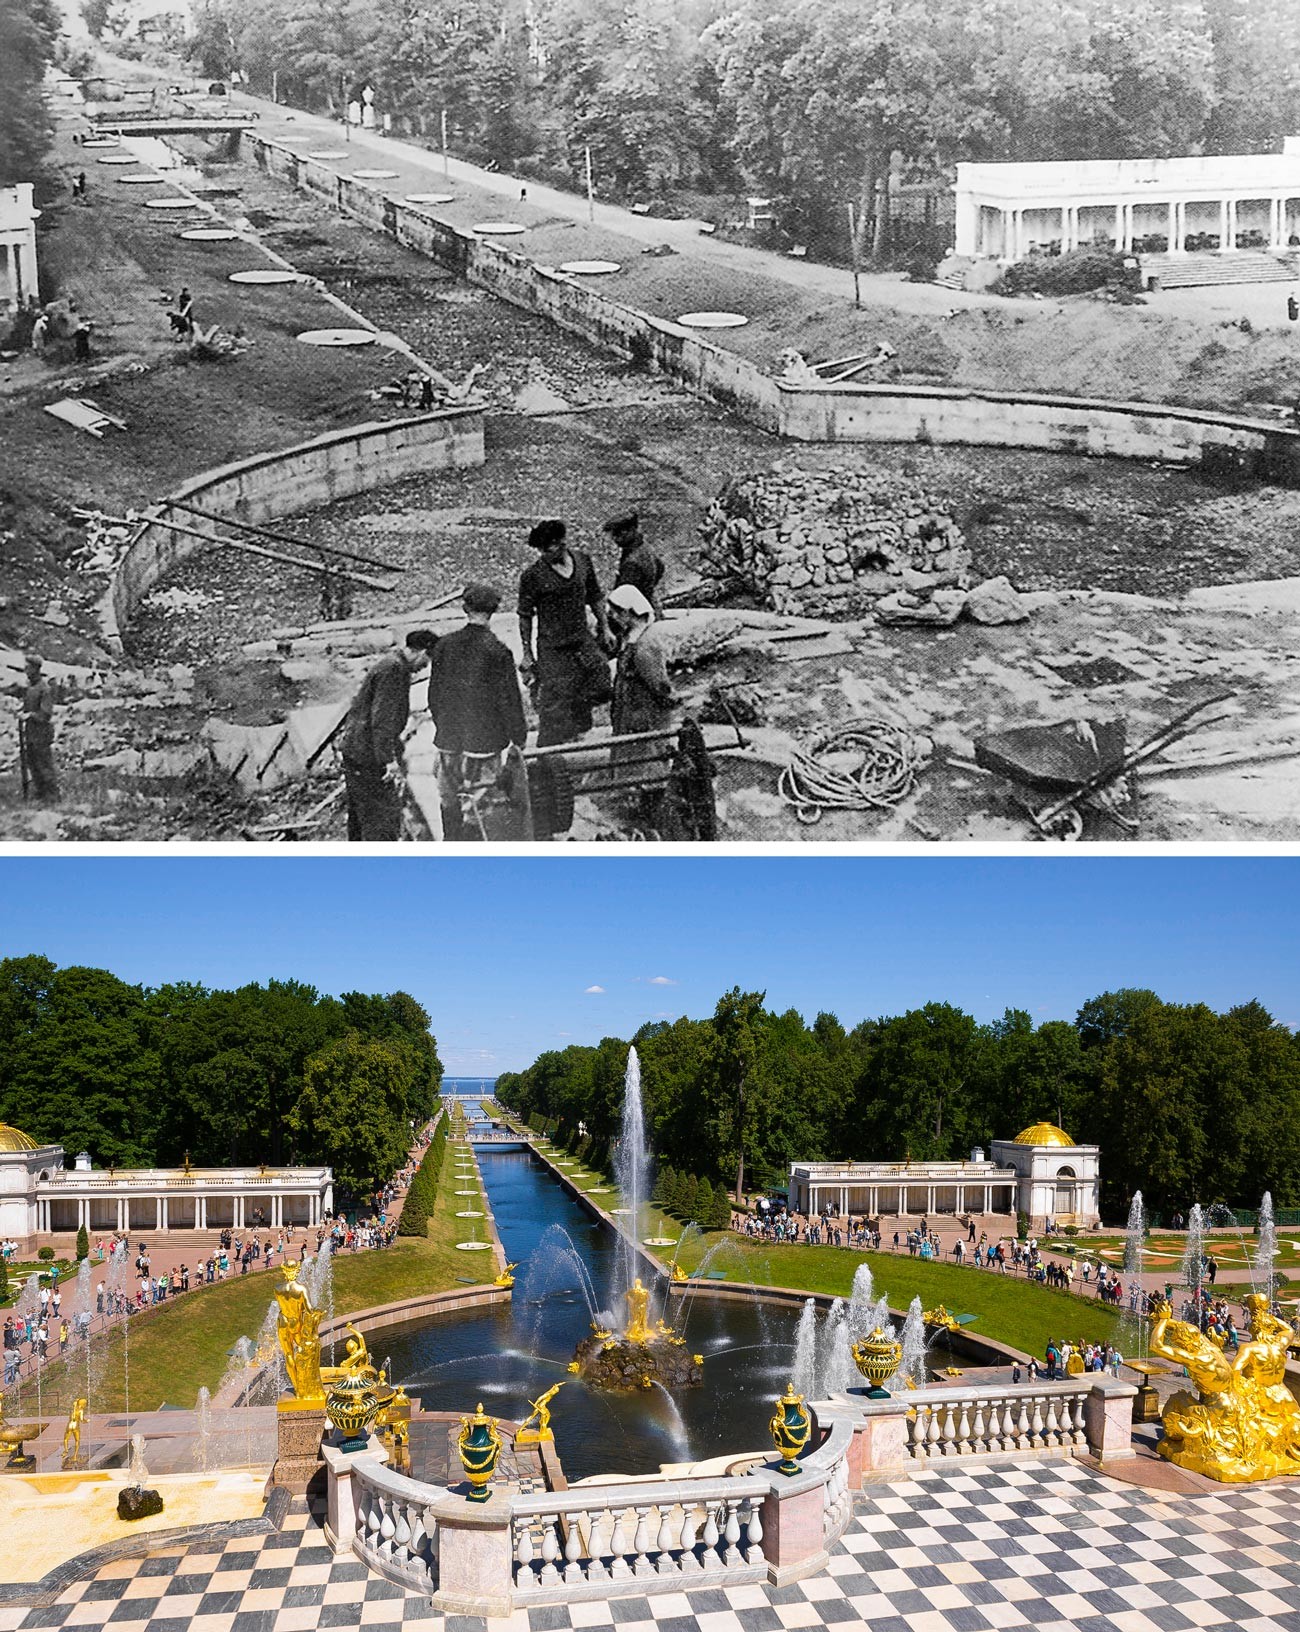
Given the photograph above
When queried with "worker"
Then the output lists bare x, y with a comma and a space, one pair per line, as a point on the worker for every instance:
477, 711
371, 742
570, 669
36, 730
638, 564
643, 697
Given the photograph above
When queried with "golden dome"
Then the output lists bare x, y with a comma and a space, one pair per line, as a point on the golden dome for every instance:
1043, 1133
15, 1139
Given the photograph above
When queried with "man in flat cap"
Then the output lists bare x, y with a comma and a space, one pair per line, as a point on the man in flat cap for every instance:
638, 564
477, 711
36, 731
371, 741
571, 666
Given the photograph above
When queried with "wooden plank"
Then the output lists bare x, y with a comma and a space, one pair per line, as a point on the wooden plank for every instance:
283, 538
263, 550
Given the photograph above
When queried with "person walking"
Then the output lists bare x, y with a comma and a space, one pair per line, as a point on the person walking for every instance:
638, 564
569, 670
371, 741
478, 714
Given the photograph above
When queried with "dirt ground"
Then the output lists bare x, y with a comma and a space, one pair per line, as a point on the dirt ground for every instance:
1110, 550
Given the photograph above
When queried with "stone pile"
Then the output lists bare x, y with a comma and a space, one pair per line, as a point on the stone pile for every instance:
844, 543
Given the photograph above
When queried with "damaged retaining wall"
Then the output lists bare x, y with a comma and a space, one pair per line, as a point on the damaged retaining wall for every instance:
1233, 447
268, 485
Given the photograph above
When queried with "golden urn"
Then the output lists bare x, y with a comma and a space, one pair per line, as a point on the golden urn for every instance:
878, 1356
352, 1405
479, 1445
790, 1428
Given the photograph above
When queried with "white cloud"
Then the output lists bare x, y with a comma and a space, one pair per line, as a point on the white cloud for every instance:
661, 980
594, 991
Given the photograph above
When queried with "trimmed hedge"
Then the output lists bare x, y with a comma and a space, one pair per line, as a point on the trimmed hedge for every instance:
1075, 273
417, 1209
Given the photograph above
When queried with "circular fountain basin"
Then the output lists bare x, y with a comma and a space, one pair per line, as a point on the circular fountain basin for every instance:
467, 1192
118, 158
328, 153
659, 1240
600, 1190
469, 1213
142, 181
473, 1246
500, 229
712, 320
168, 204
337, 337
429, 198
374, 175
210, 235
94, 142
266, 274
589, 269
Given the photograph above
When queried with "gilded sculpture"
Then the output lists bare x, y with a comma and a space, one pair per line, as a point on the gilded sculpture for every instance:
638, 1302
1244, 1423
72, 1433
536, 1427
297, 1330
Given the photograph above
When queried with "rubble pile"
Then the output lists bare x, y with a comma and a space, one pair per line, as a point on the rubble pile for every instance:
844, 543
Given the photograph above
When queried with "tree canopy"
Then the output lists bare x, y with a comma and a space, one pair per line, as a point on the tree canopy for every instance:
29, 34
1186, 1104
275, 1072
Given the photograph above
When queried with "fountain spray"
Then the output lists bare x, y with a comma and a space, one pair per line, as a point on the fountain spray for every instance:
1266, 1250
631, 1169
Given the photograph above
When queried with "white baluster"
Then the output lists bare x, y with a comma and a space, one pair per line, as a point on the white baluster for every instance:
387, 1527
524, 1553
917, 1425
710, 1556
573, 1549
641, 1543
665, 1564
977, 1426
690, 1564
1022, 1425
401, 1534
732, 1533
934, 1434
963, 1431
1080, 1432
597, 1547
1036, 1426
754, 1533
550, 1551
618, 1564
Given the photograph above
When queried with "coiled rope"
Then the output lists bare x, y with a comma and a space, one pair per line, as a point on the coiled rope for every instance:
883, 773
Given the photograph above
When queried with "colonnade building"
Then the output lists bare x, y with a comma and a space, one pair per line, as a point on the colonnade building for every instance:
40, 1196
18, 218
1151, 206
1041, 1172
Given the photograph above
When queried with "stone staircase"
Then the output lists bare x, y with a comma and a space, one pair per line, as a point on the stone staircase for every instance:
1199, 269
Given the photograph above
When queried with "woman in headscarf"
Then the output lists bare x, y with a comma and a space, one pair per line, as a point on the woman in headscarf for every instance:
643, 695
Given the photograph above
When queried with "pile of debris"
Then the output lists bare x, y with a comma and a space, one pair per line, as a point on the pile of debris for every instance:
845, 543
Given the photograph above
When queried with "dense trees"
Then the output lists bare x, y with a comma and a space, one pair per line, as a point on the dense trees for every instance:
271, 1073
29, 33
1186, 1104
819, 102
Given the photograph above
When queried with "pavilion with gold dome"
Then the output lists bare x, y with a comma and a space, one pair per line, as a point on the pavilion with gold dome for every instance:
42, 1196
1041, 1172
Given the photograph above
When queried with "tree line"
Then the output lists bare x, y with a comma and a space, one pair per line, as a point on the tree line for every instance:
276, 1073
816, 102
1185, 1103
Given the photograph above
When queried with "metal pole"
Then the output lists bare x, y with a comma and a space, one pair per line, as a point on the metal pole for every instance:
591, 195
445, 171
853, 251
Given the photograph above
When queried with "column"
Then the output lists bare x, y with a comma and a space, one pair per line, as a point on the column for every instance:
200, 1212
1225, 227
874, 1201
1277, 232
929, 1201
844, 1201
121, 1215
1065, 228
1119, 226
239, 1212
162, 1210
1128, 228
988, 1198
1171, 230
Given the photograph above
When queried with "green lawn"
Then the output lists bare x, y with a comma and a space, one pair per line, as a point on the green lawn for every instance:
179, 1348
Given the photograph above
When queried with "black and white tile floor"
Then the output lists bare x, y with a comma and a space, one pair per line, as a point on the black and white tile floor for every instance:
1052, 1546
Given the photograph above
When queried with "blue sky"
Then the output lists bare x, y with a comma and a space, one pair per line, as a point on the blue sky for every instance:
511, 957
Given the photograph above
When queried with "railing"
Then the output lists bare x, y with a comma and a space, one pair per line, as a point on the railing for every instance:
1014, 1421
396, 1530
837, 1498
306, 1184
686, 1532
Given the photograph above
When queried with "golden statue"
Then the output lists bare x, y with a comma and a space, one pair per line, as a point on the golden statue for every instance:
72, 1433
298, 1332
506, 1277
541, 1414
940, 1317
12, 1435
677, 1272
638, 1302
1245, 1424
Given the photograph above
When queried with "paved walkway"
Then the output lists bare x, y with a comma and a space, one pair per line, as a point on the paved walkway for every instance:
1053, 1546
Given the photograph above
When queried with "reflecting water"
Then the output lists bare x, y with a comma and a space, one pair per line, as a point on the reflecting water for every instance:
508, 1354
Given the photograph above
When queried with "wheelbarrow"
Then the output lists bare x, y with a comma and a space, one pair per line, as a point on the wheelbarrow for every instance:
1079, 765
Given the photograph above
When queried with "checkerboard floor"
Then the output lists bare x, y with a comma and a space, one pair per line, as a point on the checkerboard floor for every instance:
1051, 1546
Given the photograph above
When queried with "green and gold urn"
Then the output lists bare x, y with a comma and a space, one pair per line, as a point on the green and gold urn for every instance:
790, 1428
352, 1404
479, 1445
878, 1357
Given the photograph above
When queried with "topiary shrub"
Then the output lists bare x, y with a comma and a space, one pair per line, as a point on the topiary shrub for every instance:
45, 1254
1022, 1226
1075, 273
83, 1243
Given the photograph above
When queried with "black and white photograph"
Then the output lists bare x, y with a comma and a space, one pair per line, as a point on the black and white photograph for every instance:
663, 421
